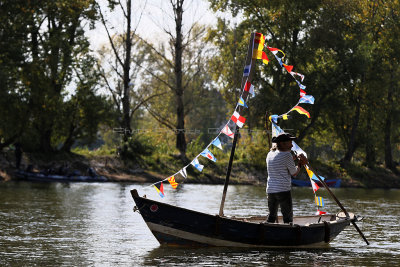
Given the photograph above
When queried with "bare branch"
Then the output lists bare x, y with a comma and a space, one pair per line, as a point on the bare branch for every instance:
109, 36
145, 101
155, 50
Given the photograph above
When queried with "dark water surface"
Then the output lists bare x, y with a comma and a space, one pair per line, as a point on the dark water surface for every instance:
82, 224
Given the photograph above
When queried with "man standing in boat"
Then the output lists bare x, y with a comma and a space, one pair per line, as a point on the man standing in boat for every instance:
281, 166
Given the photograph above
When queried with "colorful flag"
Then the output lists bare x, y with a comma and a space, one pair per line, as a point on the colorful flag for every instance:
172, 181
284, 116
289, 68
242, 103
246, 71
310, 173
302, 93
298, 150
319, 201
226, 130
239, 120
183, 173
301, 85
207, 154
217, 143
248, 87
260, 40
307, 99
301, 111
276, 130
257, 54
160, 189
275, 51
274, 118
197, 164
315, 186
298, 74
319, 212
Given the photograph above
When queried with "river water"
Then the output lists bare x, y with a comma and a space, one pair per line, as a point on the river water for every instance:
92, 224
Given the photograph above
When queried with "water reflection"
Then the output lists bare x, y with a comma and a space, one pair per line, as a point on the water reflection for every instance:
82, 224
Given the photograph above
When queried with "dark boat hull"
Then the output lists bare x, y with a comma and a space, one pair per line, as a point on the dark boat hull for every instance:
332, 183
178, 226
41, 177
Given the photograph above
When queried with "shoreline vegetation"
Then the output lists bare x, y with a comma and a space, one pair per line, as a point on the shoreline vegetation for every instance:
154, 169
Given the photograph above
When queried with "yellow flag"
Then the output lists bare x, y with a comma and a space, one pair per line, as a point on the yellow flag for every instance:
172, 181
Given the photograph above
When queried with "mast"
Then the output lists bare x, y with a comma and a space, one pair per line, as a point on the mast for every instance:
251, 62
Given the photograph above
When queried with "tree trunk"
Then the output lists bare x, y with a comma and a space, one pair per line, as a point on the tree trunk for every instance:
388, 127
351, 147
180, 111
370, 157
126, 120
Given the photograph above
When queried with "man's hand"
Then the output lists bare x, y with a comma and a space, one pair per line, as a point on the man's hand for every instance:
302, 159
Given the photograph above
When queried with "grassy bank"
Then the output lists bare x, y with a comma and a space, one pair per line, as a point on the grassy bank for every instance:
158, 166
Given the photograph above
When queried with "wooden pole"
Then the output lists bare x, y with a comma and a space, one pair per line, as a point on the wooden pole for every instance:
338, 202
250, 62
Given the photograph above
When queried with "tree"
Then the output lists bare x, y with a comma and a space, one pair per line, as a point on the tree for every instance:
179, 65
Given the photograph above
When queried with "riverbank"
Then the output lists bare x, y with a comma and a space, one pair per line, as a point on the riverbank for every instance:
116, 170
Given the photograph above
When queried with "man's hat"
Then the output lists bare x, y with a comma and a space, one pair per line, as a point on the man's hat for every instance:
282, 138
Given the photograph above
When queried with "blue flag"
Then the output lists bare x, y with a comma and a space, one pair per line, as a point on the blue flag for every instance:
217, 143
197, 164
242, 103
307, 99
207, 154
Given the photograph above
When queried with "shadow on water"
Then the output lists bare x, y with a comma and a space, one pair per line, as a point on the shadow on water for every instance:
216, 256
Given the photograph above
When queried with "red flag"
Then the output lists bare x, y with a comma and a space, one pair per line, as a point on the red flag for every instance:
289, 68
314, 185
239, 120
320, 212
301, 111
302, 93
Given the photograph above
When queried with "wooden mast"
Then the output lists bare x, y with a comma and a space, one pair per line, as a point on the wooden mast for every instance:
250, 62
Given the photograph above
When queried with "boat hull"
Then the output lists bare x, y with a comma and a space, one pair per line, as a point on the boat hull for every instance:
173, 225
41, 177
332, 183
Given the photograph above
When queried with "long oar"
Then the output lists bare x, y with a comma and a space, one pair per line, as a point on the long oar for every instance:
338, 202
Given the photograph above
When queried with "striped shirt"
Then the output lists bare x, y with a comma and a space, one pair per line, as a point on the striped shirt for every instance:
280, 167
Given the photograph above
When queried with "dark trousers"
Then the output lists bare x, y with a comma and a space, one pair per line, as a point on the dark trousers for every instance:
284, 200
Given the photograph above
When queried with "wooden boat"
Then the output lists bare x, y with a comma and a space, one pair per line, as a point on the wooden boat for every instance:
178, 226
332, 183
42, 177
173, 225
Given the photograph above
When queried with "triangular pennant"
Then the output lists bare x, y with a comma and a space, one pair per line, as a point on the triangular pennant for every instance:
288, 67
197, 164
315, 186
298, 74
298, 150
207, 154
183, 173
301, 85
302, 93
319, 212
226, 130
273, 118
160, 189
242, 103
172, 181
217, 143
